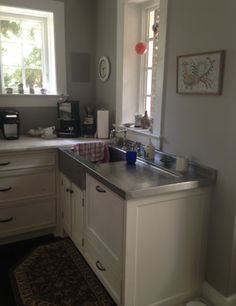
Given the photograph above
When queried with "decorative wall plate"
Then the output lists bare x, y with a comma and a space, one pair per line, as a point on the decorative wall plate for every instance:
104, 68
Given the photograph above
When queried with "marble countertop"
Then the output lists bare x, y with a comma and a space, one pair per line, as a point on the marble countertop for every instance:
37, 143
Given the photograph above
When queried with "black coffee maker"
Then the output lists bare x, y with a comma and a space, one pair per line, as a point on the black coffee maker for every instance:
9, 123
68, 119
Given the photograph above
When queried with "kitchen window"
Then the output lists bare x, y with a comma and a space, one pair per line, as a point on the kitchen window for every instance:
140, 84
149, 64
26, 52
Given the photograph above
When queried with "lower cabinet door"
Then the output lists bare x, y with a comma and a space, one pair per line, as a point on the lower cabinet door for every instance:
104, 222
110, 280
77, 205
27, 216
66, 204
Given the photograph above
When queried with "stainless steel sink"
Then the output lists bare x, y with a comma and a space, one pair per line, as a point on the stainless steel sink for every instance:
75, 171
116, 154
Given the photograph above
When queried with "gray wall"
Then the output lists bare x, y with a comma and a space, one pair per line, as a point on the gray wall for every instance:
203, 127
80, 38
80, 18
106, 45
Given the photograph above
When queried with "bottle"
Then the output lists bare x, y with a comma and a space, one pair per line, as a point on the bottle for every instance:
145, 122
149, 151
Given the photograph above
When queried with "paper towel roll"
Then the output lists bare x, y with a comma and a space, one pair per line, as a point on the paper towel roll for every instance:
103, 123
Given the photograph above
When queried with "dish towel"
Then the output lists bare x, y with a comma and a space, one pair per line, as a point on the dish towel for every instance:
94, 152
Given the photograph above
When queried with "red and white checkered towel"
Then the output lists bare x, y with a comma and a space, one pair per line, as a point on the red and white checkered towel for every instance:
94, 151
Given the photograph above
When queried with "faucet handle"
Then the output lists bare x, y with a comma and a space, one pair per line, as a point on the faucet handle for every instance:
113, 133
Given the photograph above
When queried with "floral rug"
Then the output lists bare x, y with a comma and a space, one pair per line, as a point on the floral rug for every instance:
56, 274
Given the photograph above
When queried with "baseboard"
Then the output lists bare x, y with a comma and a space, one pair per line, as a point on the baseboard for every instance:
215, 297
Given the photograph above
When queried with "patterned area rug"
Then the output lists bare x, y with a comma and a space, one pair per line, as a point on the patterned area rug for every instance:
56, 274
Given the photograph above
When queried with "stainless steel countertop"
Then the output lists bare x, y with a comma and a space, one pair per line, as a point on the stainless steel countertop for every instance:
140, 180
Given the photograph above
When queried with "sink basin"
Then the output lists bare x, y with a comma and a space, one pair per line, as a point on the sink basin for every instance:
116, 154
75, 171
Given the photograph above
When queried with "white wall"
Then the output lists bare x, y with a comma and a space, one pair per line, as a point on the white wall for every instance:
131, 62
203, 127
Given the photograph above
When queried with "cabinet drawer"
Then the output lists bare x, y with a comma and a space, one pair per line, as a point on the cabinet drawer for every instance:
110, 281
104, 222
20, 160
27, 184
23, 217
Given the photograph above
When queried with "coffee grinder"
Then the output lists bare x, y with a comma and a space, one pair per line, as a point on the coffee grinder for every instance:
89, 122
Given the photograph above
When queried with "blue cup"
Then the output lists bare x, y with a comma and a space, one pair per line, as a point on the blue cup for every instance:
131, 157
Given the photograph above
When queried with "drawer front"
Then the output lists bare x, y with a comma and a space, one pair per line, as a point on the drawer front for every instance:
24, 217
27, 185
111, 281
26, 160
104, 222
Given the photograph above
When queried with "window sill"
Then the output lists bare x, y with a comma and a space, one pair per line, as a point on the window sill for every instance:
29, 95
27, 100
143, 136
144, 132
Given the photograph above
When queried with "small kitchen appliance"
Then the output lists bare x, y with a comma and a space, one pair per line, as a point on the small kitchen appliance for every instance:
88, 123
9, 123
68, 119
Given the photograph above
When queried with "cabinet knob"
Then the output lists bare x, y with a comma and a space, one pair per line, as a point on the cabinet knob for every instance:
99, 189
100, 266
71, 191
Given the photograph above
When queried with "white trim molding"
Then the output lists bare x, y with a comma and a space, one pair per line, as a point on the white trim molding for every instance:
215, 297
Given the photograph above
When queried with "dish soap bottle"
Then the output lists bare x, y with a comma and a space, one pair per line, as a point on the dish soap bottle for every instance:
149, 151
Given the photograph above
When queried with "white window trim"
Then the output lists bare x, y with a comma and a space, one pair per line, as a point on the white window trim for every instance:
143, 59
160, 77
57, 8
161, 67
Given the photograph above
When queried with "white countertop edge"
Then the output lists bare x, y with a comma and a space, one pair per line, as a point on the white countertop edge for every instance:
27, 143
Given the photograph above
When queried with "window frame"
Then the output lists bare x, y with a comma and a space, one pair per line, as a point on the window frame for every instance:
38, 100
145, 9
163, 4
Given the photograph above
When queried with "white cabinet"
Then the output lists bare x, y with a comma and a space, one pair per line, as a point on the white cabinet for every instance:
147, 251
104, 234
27, 192
77, 208
72, 204
65, 200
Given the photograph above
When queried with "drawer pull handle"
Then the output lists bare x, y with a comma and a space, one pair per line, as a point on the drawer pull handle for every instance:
100, 266
4, 164
6, 220
99, 189
6, 189
69, 190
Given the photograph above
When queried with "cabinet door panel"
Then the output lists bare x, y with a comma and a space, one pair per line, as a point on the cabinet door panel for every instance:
66, 204
111, 282
27, 216
28, 184
104, 222
77, 216
12, 161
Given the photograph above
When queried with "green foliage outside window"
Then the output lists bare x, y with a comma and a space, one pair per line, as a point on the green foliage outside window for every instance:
17, 34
